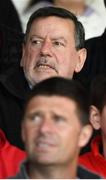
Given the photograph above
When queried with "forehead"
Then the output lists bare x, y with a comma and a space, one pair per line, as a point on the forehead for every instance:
54, 105
76, 1
48, 103
52, 24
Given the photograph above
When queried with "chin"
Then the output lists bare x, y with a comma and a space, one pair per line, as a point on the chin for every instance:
45, 77
44, 160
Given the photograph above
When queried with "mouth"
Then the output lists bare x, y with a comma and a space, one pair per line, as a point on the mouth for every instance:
44, 146
45, 67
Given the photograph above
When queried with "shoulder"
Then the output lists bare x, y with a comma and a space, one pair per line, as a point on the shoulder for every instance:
84, 173
13, 83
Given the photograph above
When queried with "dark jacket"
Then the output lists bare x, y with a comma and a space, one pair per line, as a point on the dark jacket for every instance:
95, 64
13, 90
10, 47
96, 59
82, 173
9, 16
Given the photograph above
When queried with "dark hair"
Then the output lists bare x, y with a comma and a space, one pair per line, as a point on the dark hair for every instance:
98, 92
33, 2
63, 13
105, 2
71, 89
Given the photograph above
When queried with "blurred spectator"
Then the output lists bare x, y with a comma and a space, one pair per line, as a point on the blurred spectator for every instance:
90, 17
95, 159
9, 16
10, 47
10, 34
27, 7
96, 58
95, 63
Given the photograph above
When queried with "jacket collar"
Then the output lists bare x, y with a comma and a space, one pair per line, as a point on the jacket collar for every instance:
82, 172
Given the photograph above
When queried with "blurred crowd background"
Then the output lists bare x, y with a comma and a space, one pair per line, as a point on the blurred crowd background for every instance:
26, 7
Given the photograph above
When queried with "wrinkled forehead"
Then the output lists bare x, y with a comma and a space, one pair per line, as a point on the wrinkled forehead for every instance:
52, 19
54, 26
51, 102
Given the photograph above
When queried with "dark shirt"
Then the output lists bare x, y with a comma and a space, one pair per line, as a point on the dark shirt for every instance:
82, 173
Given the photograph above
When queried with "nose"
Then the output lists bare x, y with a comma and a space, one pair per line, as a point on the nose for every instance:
46, 126
46, 48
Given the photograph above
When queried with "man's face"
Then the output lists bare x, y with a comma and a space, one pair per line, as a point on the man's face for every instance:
50, 50
51, 130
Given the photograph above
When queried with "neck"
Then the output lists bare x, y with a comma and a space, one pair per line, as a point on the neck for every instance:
74, 7
52, 172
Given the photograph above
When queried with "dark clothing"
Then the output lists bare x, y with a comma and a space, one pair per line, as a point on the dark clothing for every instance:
95, 64
9, 16
13, 90
81, 174
96, 59
10, 47
13, 85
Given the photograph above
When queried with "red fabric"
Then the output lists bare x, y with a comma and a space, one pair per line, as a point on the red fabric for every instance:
10, 157
93, 160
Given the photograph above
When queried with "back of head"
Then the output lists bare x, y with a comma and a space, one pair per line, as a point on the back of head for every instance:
62, 87
62, 13
98, 92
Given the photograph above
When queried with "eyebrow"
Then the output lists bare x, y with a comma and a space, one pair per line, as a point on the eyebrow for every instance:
36, 36
60, 38
54, 39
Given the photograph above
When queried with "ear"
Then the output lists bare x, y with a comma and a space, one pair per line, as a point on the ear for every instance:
23, 52
82, 53
85, 135
95, 117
